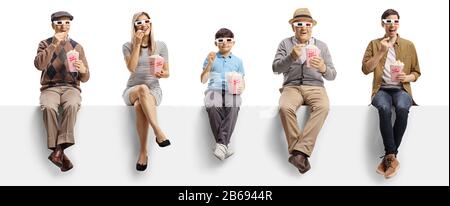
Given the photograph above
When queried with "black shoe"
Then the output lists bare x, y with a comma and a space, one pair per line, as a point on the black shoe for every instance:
164, 143
141, 167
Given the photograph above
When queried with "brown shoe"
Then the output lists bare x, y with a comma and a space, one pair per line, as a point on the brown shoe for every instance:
392, 166
66, 164
56, 157
381, 169
301, 162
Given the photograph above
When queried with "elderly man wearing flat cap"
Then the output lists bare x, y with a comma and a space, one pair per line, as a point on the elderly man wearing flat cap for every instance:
60, 91
304, 61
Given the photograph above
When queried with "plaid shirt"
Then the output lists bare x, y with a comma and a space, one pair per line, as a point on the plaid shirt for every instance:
52, 61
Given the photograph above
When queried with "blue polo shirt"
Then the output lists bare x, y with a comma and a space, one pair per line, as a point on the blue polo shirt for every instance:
221, 66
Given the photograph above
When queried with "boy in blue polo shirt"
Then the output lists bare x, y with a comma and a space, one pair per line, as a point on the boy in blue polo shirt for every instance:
222, 98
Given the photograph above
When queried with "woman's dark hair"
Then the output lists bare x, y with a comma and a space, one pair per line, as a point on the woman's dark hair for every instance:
224, 32
388, 13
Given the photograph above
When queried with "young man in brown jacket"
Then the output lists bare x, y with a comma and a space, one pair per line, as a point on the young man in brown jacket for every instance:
391, 85
60, 80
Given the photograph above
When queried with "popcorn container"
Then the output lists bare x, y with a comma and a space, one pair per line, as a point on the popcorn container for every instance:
234, 82
72, 57
311, 52
156, 63
395, 70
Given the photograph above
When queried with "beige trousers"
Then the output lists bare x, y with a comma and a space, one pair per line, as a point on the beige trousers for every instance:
292, 97
60, 131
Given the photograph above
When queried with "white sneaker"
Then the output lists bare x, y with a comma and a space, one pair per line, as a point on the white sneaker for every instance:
229, 152
220, 151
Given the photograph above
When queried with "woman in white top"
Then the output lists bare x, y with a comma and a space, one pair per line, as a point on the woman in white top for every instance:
143, 91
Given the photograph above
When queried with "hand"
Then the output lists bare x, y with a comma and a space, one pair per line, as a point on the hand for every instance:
161, 74
59, 37
384, 45
211, 57
80, 66
147, 31
297, 51
138, 37
392, 40
319, 64
402, 77
241, 87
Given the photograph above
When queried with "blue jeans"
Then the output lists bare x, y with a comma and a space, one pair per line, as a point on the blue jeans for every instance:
384, 100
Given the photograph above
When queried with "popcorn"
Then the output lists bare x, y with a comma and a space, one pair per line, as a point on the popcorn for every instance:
156, 63
72, 57
396, 68
311, 52
234, 80
399, 63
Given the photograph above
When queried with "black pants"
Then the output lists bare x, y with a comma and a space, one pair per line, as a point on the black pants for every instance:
222, 121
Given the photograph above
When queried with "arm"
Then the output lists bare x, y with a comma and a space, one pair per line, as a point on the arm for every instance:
82, 66
205, 73
325, 65
164, 73
207, 69
46, 51
132, 59
283, 60
415, 69
44, 55
371, 60
164, 52
242, 85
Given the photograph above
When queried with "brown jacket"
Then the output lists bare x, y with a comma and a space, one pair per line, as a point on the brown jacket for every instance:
404, 51
52, 62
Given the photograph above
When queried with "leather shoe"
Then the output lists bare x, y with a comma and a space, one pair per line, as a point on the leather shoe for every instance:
66, 164
56, 157
301, 162
164, 143
141, 167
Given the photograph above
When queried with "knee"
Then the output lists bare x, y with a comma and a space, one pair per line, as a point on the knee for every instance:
384, 109
212, 109
143, 90
286, 109
402, 106
322, 108
137, 104
74, 106
234, 110
49, 107
401, 110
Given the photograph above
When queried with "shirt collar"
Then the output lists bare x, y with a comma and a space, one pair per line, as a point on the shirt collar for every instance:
397, 41
221, 56
311, 41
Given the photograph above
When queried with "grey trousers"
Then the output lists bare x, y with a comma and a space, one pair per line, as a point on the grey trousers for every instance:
222, 121
223, 109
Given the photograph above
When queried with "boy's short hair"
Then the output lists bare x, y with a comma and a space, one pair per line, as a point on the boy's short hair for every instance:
388, 13
224, 32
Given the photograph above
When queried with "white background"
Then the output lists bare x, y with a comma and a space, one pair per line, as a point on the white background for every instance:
188, 28
107, 134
